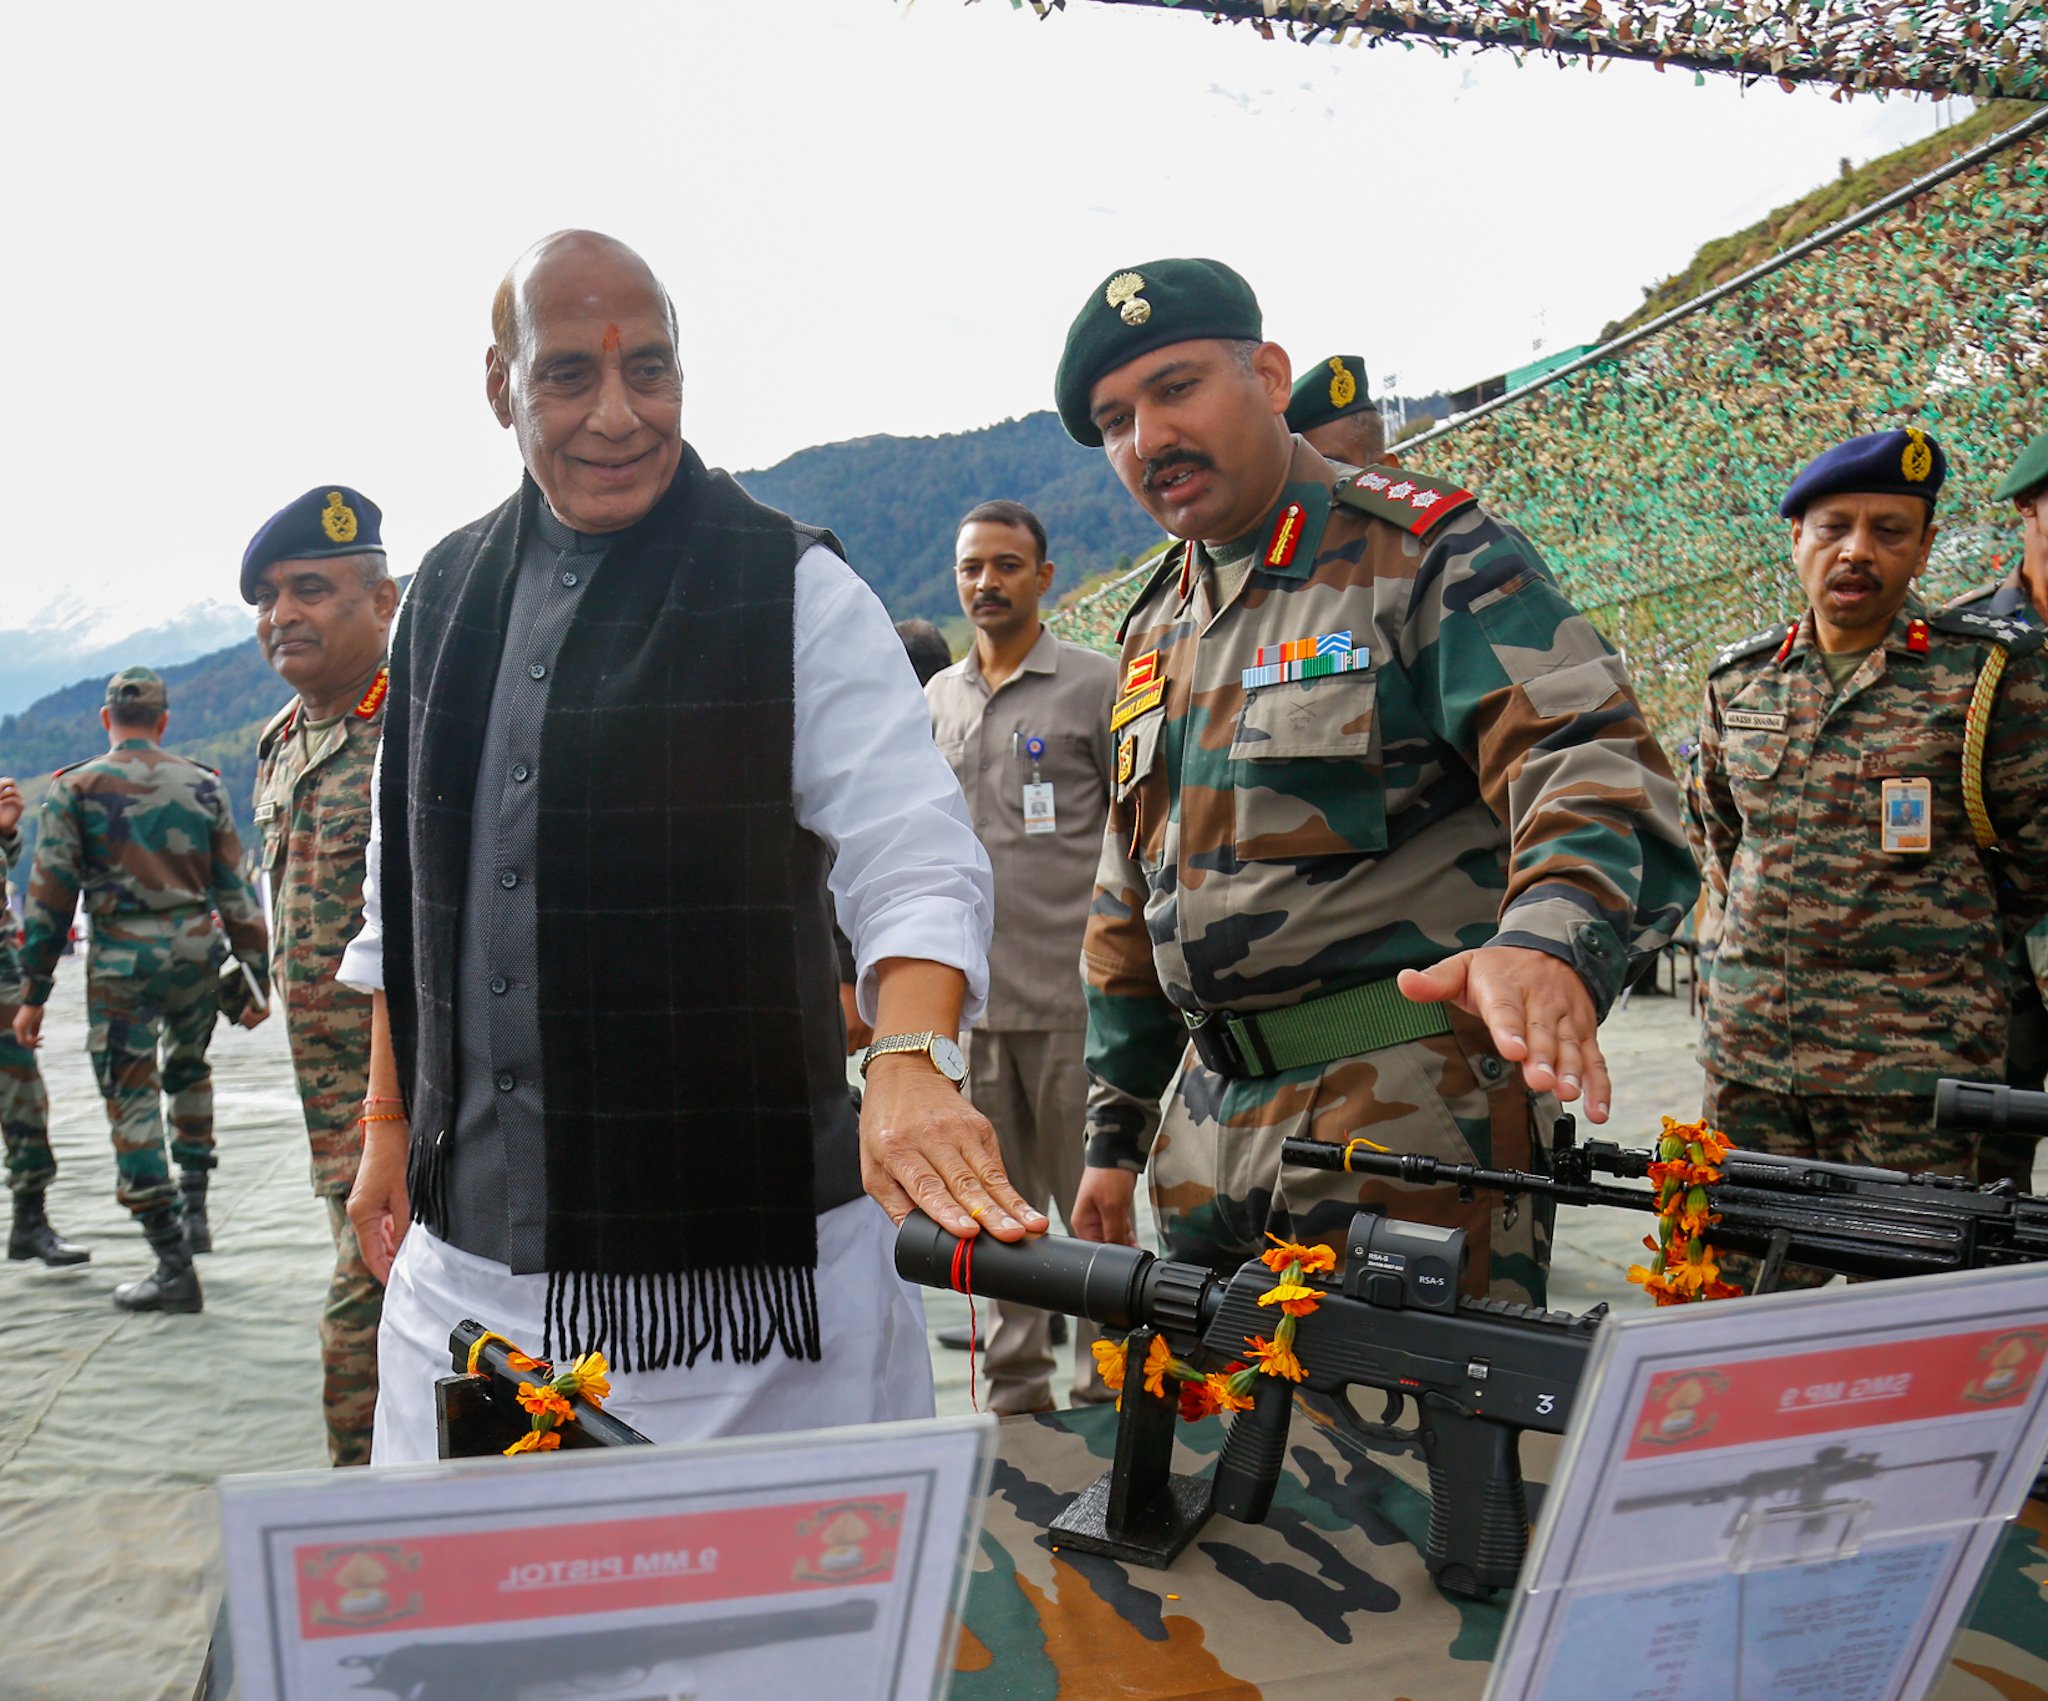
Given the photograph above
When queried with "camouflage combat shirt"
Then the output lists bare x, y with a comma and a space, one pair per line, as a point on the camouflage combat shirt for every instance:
141, 834
10, 929
1479, 773
313, 822
1845, 968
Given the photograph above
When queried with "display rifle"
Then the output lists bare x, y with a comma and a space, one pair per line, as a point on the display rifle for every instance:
1803, 1486
1480, 1371
1849, 1219
502, 1670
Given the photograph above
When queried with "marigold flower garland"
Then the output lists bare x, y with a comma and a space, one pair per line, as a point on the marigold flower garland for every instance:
1230, 1389
547, 1403
1685, 1268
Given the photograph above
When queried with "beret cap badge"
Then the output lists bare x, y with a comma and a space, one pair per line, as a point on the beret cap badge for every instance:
1122, 294
1917, 459
1342, 385
338, 519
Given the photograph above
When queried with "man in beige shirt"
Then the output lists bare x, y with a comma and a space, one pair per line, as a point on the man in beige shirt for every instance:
1024, 721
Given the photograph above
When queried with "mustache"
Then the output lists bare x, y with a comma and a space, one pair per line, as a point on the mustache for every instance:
1851, 576
1157, 469
991, 599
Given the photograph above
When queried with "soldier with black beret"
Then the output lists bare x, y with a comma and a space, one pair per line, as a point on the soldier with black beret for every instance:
1332, 412
1874, 814
317, 574
1387, 825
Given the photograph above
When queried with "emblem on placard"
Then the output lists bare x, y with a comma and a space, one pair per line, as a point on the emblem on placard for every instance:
2014, 1359
1126, 760
1678, 1407
1122, 294
1343, 387
1917, 459
854, 1540
355, 1586
338, 519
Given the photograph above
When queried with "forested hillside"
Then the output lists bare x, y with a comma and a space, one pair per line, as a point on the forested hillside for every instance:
219, 704
895, 503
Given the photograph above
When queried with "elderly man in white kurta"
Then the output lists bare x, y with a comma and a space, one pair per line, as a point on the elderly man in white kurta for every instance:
637, 720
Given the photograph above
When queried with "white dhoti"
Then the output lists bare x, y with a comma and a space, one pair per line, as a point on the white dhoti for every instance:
875, 1367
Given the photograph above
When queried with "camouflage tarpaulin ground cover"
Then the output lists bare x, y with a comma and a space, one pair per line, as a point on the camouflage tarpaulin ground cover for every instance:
1650, 478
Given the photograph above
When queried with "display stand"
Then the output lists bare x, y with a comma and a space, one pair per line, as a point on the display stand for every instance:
1792, 1497
830, 1561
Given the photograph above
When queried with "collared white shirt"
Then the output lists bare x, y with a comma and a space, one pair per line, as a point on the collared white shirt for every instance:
909, 877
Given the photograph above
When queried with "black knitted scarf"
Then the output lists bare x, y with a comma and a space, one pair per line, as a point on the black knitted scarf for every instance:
678, 1133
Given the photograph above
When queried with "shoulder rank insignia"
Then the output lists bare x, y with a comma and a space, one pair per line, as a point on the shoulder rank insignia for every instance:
1742, 649
1989, 629
373, 699
1414, 504
1916, 637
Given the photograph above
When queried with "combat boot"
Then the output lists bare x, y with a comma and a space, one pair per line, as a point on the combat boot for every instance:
173, 1285
198, 1232
32, 1236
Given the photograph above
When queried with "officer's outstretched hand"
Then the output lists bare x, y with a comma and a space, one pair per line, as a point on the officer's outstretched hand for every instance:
1103, 1207
1538, 1011
924, 1147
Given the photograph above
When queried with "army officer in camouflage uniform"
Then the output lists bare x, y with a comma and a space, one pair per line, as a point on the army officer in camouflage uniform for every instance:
324, 603
1388, 825
2022, 596
144, 836
1871, 866
24, 1105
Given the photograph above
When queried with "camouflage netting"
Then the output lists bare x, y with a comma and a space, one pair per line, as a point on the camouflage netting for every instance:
1975, 47
1650, 479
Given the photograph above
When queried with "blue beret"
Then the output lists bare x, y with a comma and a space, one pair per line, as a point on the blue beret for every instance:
1886, 463
330, 519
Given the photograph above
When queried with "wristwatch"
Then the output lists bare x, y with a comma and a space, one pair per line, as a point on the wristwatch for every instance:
946, 1057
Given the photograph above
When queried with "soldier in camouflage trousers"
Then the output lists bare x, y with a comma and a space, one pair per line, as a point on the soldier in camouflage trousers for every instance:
324, 600
1360, 732
145, 837
24, 1105
1872, 867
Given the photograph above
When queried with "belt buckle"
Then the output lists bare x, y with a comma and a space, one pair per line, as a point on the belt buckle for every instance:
1210, 1031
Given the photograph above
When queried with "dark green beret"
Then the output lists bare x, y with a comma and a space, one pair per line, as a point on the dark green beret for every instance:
2028, 471
1328, 390
1140, 308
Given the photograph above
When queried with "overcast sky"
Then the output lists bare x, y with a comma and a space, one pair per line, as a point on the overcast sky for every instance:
251, 248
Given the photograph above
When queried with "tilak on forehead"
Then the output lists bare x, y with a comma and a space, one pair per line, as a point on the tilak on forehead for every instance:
611, 339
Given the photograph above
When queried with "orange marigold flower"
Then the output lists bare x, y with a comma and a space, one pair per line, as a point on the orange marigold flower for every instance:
588, 1377
535, 1441
1714, 1144
545, 1401
1274, 1359
1314, 1260
517, 1360
1157, 1359
1297, 1299
1109, 1362
1196, 1400
1224, 1395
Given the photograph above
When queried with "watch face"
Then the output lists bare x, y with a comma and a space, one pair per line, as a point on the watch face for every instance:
952, 1063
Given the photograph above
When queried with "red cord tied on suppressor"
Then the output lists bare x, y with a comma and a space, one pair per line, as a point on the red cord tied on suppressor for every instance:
963, 1274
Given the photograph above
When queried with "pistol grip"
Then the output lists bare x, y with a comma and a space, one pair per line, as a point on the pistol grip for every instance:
1250, 1466
1478, 1517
